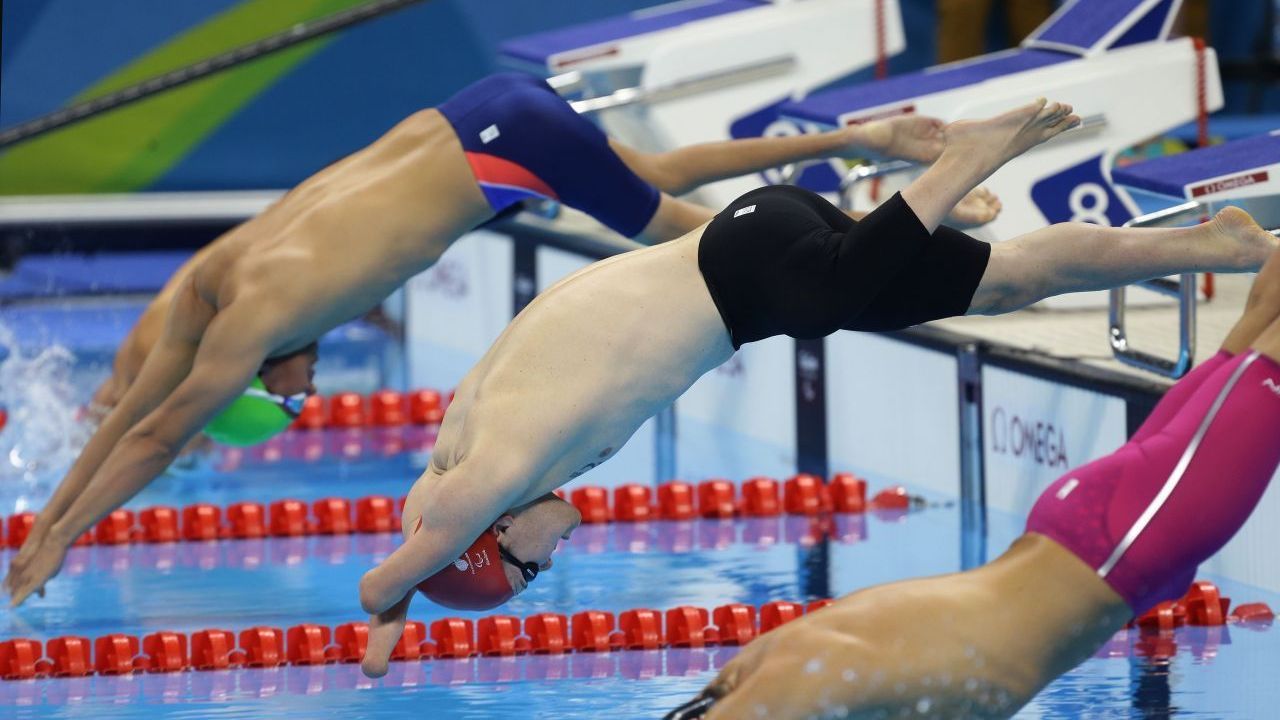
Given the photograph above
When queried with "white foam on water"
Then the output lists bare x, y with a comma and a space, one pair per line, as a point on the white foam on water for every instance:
43, 434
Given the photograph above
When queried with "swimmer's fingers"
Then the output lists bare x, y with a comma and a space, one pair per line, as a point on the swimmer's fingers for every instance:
44, 564
16, 577
30, 546
385, 630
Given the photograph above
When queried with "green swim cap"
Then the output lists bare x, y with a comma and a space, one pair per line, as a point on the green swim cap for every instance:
249, 420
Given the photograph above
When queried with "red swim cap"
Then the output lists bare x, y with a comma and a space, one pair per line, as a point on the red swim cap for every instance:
475, 581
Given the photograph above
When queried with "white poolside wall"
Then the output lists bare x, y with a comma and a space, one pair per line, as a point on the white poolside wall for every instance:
892, 412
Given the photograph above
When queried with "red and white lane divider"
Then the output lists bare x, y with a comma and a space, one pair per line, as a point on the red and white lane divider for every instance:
588, 631
676, 500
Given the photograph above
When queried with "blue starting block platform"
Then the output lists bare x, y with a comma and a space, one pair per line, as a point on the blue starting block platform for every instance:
1237, 169
1080, 29
563, 47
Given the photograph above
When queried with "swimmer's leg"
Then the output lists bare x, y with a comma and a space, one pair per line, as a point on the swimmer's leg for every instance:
1077, 257
1260, 310
673, 218
1199, 479
976, 149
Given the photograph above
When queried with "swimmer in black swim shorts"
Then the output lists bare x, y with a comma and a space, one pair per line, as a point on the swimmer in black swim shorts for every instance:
573, 377
205, 356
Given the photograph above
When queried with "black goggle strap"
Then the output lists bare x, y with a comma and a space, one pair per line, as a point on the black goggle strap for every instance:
527, 569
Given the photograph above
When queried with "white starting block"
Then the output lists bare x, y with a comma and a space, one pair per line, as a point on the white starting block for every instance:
705, 70
1111, 59
1245, 173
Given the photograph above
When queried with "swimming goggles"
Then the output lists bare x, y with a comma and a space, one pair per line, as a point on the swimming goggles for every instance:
290, 404
528, 570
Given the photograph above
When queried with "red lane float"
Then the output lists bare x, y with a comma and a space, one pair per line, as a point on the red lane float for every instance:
760, 497
426, 408
806, 494
848, 493
633, 503
388, 408
165, 652
347, 410
18, 658
778, 612
548, 634
676, 501
202, 522
716, 499
247, 520
211, 649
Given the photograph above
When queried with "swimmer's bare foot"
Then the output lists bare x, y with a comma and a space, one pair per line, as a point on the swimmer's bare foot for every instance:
990, 143
977, 148
978, 208
1247, 246
908, 137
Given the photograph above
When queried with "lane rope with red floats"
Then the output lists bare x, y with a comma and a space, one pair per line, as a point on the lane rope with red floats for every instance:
803, 494
588, 631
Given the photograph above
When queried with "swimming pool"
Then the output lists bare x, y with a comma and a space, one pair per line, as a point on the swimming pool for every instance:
185, 587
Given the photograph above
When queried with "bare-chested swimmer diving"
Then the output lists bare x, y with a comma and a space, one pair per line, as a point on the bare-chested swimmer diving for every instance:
563, 156
230, 344
576, 373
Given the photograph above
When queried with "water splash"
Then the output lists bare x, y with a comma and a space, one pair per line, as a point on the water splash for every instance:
44, 433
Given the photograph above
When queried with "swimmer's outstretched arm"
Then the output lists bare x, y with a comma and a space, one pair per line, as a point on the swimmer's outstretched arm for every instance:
143, 336
682, 170
459, 505
182, 385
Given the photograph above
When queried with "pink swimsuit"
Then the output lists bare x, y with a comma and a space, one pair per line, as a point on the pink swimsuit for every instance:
1148, 514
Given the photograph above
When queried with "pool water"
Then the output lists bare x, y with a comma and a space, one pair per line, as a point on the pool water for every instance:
234, 584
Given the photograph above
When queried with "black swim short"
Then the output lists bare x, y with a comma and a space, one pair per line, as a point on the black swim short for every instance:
781, 260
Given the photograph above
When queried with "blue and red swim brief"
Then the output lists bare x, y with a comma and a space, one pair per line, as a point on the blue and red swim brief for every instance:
523, 141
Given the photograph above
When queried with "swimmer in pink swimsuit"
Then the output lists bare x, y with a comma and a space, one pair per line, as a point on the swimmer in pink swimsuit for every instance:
1104, 543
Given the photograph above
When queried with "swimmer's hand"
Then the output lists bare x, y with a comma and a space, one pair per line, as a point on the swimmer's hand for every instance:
907, 137
40, 559
976, 209
793, 671
385, 630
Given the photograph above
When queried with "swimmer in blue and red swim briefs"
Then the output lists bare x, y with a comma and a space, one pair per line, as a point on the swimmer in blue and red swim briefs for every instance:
229, 346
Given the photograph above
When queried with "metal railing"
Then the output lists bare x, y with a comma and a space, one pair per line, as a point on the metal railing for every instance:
1183, 290
705, 82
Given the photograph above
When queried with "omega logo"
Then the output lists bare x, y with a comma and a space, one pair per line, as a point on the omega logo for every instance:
1036, 440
